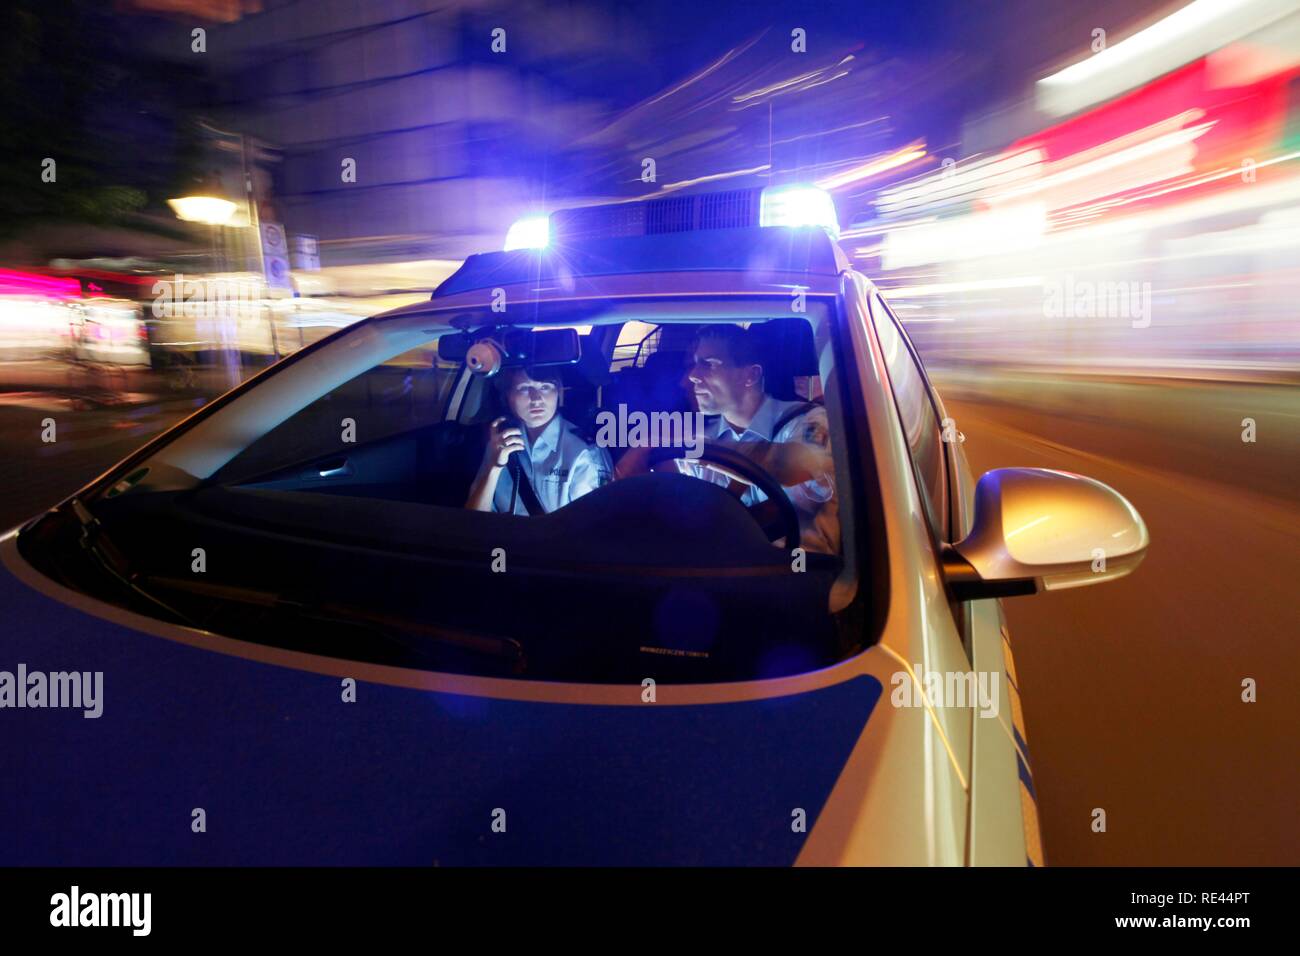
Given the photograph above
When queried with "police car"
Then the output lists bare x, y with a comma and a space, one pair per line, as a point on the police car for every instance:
310, 652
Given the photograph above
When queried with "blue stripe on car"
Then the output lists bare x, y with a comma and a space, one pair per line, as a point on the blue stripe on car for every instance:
1020, 741
1026, 777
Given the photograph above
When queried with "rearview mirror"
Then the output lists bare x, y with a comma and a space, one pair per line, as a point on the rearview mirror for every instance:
516, 346
1036, 529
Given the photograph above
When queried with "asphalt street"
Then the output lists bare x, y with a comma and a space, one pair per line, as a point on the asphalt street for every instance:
1132, 689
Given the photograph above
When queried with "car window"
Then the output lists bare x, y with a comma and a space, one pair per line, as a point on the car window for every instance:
916, 412
403, 393
637, 341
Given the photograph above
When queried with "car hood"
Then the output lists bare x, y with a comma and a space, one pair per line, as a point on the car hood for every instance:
288, 773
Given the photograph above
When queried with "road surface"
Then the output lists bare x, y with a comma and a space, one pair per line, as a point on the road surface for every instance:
1132, 690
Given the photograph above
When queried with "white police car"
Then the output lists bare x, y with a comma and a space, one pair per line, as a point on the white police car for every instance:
302, 631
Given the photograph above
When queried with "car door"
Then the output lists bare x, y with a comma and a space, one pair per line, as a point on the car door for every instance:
1002, 809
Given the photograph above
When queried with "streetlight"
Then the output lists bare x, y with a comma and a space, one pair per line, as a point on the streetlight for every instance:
218, 212
209, 210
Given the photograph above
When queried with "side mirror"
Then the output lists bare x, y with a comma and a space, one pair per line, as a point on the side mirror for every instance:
1036, 529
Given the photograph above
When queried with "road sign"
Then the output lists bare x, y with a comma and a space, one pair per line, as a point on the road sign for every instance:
273, 241
305, 255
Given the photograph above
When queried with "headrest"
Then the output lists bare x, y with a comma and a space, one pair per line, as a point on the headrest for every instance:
788, 351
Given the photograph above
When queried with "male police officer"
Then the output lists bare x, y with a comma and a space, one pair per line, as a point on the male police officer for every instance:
554, 459
725, 377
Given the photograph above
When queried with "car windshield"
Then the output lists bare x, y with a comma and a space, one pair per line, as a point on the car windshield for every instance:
605, 495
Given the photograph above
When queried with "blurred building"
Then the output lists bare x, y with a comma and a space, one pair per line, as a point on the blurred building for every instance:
413, 131
1131, 208
1036, 182
1016, 42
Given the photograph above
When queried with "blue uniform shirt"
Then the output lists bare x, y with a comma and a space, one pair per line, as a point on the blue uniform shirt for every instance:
560, 465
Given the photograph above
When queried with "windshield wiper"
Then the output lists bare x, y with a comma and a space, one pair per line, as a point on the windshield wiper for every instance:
95, 541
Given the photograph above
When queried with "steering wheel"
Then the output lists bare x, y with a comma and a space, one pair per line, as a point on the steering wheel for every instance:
776, 516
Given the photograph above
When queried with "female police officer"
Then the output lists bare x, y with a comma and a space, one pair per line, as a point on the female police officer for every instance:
556, 460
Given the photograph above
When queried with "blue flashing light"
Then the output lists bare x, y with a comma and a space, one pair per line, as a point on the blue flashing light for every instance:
799, 206
531, 232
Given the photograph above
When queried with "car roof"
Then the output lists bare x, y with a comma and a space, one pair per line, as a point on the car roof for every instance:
751, 255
